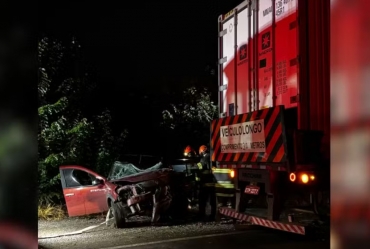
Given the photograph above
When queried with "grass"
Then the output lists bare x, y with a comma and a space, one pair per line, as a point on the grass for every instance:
51, 212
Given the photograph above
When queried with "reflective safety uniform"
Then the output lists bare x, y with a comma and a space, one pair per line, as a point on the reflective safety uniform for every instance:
207, 186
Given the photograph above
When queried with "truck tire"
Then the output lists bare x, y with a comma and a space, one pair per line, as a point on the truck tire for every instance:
119, 214
321, 206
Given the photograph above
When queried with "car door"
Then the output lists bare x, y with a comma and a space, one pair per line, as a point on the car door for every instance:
84, 191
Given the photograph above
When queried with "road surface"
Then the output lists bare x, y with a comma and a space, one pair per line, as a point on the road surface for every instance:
92, 234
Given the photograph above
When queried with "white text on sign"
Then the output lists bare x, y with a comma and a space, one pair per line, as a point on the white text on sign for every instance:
252, 190
243, 137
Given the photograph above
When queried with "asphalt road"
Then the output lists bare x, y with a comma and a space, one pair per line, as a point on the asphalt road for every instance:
255, 238
140, 235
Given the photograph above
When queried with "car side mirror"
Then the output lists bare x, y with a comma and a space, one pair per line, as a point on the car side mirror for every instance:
97, 182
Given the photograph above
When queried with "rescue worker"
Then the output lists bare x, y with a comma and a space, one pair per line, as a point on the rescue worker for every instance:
189, 152
191, 172
207, 187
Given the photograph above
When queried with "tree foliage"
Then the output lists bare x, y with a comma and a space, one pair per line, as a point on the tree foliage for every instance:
189, 119
69, 133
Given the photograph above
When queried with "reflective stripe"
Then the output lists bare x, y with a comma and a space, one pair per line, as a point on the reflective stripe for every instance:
224, 185
221, 171
197, 179
224, 195
199, 166
221, 182
209, 184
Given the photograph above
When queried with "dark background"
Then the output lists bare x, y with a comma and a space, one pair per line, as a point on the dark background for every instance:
141, 53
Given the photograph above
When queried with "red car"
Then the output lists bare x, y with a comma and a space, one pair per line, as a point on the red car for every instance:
127, 191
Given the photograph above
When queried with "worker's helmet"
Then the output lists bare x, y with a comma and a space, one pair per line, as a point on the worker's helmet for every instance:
202, 149
189, 152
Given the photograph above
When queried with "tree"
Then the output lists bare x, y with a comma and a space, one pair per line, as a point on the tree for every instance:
109, 146
188, 121
68, 132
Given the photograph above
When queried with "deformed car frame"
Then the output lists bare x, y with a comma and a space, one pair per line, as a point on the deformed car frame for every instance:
126, 192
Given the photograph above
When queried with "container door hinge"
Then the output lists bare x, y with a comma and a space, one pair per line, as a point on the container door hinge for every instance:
222, 60
222, 33
223, 88
222, 114
294, 61
294, 99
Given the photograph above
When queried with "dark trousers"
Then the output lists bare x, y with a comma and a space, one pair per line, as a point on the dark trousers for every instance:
207, 193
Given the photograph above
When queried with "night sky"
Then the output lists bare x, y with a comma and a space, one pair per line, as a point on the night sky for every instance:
141, 45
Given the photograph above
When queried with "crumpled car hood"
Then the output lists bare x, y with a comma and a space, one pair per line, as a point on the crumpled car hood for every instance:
128, 173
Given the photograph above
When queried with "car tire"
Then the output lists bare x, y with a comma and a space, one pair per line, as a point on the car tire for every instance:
119, 214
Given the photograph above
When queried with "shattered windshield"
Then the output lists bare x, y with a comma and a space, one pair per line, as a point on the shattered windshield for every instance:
122, 169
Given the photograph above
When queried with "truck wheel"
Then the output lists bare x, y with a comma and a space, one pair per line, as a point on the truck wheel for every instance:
321, 204
119, 214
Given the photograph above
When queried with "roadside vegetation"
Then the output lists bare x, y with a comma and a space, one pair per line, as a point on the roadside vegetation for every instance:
51, 212
75, 128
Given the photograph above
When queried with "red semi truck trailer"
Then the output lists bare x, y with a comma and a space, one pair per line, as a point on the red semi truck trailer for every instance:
273, 130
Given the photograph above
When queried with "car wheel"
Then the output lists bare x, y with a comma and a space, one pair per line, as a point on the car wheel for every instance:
119, 214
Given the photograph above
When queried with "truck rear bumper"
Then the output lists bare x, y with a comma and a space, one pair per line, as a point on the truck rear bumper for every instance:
278, 225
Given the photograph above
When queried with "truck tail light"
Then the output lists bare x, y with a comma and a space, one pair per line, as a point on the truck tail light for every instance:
232, 173
303, 177
292, 177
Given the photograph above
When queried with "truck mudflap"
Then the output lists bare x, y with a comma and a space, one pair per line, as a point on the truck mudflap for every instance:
278, 225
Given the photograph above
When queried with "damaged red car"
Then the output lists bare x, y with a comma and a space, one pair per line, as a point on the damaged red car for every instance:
127, 191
